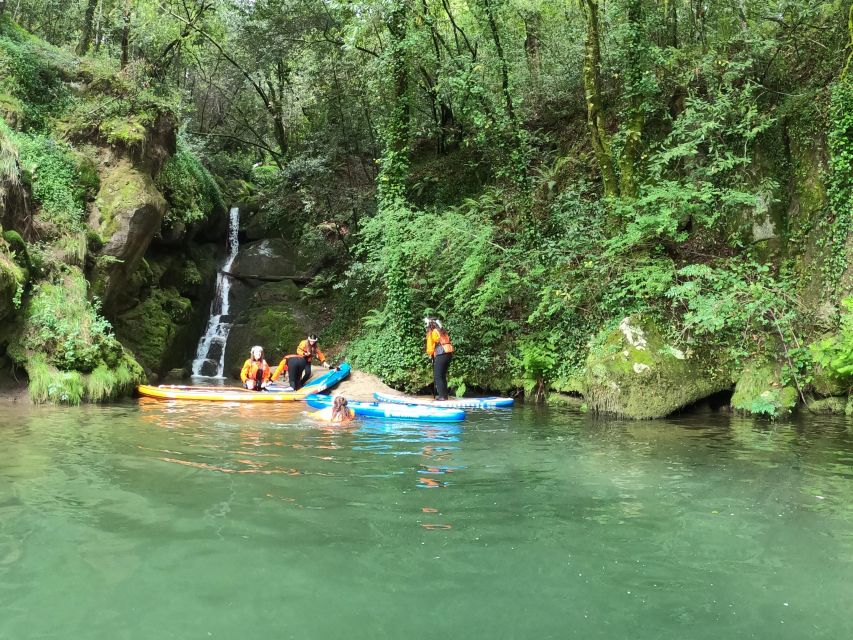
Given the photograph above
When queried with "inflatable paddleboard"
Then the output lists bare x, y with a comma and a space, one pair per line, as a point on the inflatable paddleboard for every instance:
491, 402
239, 394
391, 411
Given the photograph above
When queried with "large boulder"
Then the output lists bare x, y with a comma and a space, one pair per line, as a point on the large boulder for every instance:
128, 212
633, 372
274, 257
761, 390
168, 305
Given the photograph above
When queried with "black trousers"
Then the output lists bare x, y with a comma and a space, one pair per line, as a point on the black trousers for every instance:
439, 373
298, 372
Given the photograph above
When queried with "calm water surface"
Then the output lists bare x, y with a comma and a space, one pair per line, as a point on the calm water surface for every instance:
164, 520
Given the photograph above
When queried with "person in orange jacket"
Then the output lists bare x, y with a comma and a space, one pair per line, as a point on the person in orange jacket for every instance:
256, 373
439, 348
298, 365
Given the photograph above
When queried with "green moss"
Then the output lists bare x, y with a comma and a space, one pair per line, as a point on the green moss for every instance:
47, 384
124, 188
759, 391
126, 131
835, 405
108, 383
632, 371
153, 330
89, 179
12, 279
61, 323
189, 187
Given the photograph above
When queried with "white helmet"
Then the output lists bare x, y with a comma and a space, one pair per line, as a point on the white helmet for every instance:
257, 352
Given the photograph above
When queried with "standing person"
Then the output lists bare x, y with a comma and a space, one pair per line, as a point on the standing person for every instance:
299, 365
439, 348
256, 372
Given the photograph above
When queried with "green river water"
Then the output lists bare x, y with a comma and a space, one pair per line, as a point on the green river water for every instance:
161, 520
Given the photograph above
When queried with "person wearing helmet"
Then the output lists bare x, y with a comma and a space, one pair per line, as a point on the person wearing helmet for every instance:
440, 350
256, 372
298, 365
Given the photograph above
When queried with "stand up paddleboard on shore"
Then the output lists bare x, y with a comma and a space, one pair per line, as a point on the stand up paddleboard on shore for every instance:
239, 394
490, 402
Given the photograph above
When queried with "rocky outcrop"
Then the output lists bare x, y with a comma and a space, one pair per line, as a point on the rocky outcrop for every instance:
274, 317
128, 212
166, 305
12, 279
633, 372
760, 390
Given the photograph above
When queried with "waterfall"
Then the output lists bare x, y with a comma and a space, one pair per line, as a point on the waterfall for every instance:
210, 354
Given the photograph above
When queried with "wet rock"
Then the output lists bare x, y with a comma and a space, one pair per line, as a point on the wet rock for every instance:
633, 372
129, 212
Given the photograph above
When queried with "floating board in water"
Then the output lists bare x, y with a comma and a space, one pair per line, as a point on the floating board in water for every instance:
391, 411
238, 394
491, 402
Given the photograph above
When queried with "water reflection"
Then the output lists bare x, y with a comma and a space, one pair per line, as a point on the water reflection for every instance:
651, 530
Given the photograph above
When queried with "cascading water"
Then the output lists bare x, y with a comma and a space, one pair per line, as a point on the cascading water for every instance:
210, 355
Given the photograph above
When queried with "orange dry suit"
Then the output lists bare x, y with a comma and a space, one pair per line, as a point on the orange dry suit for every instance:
257, 370
309, 351
282, 366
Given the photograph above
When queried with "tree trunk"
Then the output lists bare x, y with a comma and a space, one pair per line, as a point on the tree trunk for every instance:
395, 158
125, 33
99, 36
670, 18
493, 27
533, 45
594, 108
633, 88
86, 31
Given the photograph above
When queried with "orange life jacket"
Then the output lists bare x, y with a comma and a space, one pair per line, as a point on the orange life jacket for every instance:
438, 342
309, 351
251, 368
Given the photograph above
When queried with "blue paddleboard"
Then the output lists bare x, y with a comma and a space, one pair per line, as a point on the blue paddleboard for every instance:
491, 402
391, 411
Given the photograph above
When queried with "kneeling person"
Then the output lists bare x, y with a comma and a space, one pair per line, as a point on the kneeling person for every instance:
256, 372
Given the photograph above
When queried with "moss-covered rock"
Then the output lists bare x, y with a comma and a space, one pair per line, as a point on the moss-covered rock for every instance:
632, 371
12, 279
759, 391
130, 210
825, 383
833, 405
158, 331
274, 257
67, 348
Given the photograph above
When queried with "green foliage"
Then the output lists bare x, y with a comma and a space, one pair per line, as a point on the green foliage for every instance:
48, 384
189, 187
51, 171
840, 184
30, 74
835, 353
62, 324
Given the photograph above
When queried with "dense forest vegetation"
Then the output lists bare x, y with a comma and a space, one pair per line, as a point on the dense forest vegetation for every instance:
641, 202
